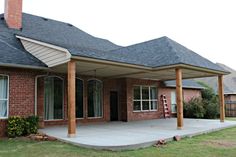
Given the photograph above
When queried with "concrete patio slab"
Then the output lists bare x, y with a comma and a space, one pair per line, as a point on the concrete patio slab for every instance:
133, 135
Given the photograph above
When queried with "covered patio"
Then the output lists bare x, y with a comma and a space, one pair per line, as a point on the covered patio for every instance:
136, 134
154, 61
171, 72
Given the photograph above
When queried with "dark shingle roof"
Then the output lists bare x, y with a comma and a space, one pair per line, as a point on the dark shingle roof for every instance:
185, 83
229, 80
155, 53
12, 55
49, 31
163, 52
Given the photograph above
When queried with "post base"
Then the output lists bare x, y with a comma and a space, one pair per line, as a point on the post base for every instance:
179, 128
71, 135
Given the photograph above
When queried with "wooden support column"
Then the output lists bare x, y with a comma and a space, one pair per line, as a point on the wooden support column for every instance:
71, 99
179, 98
221, 98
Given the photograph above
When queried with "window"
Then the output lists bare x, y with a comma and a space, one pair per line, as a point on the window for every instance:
53, 98
94, 98
3, 96
173, 102
79, 98
144, 98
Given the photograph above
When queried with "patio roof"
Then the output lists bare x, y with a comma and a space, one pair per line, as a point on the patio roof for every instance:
156, 59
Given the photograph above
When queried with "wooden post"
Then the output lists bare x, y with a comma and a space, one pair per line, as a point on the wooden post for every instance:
221, 98
179, 98
71, 99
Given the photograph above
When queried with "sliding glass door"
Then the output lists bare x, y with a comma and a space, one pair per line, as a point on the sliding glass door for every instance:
53, 98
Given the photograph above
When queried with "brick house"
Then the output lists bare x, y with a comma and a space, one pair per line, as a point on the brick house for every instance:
64, 75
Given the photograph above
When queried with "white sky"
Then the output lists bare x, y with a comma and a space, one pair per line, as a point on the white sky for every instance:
207, 27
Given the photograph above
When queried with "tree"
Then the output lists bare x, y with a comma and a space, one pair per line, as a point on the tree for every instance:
210, 101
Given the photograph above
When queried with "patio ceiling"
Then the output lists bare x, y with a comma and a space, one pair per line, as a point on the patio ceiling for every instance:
115, 70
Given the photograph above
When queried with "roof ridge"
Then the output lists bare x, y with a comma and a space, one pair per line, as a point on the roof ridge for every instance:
170, 43
144, 42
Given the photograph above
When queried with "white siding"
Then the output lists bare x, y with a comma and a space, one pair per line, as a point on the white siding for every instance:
50, 55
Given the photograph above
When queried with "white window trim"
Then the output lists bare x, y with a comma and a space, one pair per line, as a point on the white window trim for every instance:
149, 100
173, 104
8, 82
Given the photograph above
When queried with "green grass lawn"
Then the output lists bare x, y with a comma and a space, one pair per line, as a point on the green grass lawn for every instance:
231, 118
217, 144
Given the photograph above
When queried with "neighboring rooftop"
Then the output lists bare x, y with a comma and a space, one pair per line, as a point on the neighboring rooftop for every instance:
188, 83
229, 80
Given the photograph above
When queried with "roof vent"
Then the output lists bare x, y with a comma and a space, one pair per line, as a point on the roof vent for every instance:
45, 19
69, 24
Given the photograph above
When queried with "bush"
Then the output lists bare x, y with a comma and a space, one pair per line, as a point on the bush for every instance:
15, 126
208, 93
211, 102
18, 126
212, 109
31, 125
194, 108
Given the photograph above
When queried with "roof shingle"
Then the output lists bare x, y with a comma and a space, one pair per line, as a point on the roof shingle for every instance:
154, 53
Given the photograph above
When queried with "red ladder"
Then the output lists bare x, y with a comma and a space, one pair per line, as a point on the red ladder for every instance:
166, 109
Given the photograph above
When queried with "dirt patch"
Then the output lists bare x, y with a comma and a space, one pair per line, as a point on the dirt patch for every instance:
220, 143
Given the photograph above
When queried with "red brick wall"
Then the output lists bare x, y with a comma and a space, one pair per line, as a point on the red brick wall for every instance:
191, 93
21, 92
3, 124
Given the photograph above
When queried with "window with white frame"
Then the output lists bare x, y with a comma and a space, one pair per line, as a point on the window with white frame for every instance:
4, 96
173, 102
144, 98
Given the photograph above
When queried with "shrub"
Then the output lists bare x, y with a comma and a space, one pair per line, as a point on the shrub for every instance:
208, 93
212, 109
31, 125
15, 126
194, 108
211, 102
18, 126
